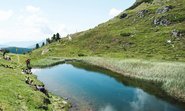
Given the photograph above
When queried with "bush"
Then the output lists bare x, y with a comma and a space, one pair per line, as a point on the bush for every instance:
123, 15
125, 34
81, 55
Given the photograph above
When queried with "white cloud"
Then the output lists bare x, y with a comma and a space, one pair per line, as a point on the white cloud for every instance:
29, 24
139, 101
63, 30
5, 15
114, 12
142, 99
32, 9
33, 25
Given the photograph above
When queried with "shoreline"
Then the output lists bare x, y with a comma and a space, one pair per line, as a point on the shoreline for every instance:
57, 102
98, 63
17, 94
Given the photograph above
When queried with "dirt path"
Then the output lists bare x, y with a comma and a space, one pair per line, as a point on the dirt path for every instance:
18, 59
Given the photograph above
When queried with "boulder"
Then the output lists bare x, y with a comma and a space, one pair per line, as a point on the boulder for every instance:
164, 9
177, 33
161, 21
122, 16
142, 13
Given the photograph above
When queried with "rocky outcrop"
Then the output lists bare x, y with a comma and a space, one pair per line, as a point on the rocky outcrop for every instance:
164, 9
177, 33
122, 16
163, 21
142, 13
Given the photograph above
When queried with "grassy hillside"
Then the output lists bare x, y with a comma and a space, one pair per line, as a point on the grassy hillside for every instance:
16, 95
132, 34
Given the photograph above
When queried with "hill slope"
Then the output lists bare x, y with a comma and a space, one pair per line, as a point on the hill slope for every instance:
150, 29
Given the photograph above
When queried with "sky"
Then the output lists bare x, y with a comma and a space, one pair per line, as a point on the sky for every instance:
36, 20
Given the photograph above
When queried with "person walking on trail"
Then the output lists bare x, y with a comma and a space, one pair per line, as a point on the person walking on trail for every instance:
4, 53
28, 63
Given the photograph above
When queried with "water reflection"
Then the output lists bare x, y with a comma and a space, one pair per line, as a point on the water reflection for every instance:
107, 108
101, 91
139, 101
144, 102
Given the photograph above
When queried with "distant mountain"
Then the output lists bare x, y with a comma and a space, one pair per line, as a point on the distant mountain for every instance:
18, 50
2, 46
22, 44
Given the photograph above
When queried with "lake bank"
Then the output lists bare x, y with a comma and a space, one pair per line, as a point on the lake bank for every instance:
16, 94
169, 74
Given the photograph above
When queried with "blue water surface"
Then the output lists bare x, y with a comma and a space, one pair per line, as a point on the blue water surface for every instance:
97, 91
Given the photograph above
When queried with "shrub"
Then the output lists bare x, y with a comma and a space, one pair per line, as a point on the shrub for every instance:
125, 34
81, 55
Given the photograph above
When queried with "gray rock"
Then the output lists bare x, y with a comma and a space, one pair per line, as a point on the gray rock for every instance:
123, 16
165, 22
164, 9
177, 33
142, 13
161, 21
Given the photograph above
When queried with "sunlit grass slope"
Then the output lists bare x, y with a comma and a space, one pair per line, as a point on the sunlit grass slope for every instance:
135, 36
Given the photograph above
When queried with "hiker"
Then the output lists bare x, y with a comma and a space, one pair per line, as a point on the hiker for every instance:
27, 80
42, 89
28, 63
4, 52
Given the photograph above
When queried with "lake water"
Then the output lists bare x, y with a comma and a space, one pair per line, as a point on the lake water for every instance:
93, 89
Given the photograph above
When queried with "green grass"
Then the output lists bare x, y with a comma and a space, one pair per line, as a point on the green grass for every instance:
46, 62
15, 94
